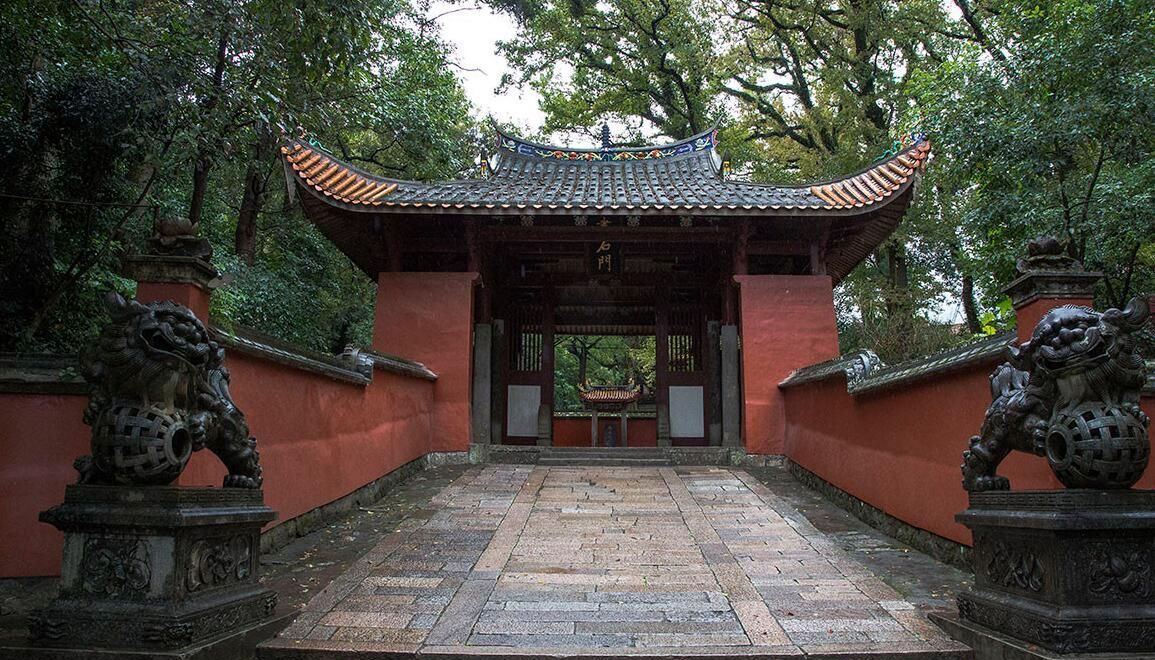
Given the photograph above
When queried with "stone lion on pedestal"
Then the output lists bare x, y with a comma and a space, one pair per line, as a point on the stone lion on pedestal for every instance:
159, 392
1070, 393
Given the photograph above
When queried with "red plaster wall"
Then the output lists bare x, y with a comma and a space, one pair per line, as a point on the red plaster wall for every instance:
320, 439
40, 436
428, 317
575, 431
1029, 315
189, 295
900, 450
787, 323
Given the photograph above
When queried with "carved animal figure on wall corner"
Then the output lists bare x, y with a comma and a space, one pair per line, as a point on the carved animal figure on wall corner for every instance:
1070, 393
159, 391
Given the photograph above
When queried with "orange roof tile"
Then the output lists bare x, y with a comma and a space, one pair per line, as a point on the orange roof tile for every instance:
620, 394
876, 183
333, 178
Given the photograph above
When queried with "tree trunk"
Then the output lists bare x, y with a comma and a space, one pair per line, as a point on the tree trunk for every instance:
252, 201
200, 184
969, 308
897, 278
583, 363
203, 162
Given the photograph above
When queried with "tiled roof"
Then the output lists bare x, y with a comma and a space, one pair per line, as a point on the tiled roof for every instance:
875, 183
535, 178
603, 394
865, 372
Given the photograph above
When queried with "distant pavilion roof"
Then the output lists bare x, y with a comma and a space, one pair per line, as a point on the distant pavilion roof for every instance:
601, 395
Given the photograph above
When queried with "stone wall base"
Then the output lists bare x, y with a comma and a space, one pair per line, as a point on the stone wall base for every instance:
942, 549
531, 455
310, 521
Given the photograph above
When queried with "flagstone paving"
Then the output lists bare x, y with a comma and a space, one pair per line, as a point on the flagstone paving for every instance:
609, 561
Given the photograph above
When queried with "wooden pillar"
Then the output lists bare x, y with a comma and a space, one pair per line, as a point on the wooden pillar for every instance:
499, 368
662, 364
482, 383
480, 262
545, 418
712, 356
594, 427
625, 432
731, 388
817, 259
741, 260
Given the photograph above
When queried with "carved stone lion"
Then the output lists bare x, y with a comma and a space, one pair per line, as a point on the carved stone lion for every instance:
159, 392
1070, 393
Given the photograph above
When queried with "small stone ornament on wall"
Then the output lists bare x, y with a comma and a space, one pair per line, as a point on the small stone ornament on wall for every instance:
1070, 393
159, 392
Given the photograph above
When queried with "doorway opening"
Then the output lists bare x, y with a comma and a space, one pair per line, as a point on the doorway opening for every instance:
604, 391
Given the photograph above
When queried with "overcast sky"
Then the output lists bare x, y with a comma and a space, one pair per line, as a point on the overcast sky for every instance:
474, 30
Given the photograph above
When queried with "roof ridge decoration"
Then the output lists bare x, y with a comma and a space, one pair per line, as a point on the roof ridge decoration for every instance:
700, 142
904, 141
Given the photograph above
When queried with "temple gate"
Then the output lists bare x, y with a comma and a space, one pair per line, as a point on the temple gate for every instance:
477, 278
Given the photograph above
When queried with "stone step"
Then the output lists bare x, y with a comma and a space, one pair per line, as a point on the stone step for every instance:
611, 457
599, 460
616, 451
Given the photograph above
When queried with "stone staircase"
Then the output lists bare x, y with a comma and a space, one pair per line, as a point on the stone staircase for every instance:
610, 456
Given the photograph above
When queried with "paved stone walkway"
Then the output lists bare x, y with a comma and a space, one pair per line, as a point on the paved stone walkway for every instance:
548, 562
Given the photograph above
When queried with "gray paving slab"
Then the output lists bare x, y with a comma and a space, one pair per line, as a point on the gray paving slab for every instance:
542, 561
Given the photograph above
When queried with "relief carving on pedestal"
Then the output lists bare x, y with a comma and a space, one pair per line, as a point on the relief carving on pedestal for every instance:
116, 568
1122, 571
1018, 567
213, 562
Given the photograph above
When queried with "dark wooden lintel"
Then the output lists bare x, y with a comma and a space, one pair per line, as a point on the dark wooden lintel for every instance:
590, 234
777, 248
677, 280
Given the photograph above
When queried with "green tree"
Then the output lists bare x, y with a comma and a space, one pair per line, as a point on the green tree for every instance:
600, 360
804, 90
1052, 131
650, 64
178, 107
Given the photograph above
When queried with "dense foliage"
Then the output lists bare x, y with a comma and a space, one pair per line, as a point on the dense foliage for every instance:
149, 108
1039, 112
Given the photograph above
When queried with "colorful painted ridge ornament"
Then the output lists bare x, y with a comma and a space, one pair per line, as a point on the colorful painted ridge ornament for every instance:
159, 392
1070, 393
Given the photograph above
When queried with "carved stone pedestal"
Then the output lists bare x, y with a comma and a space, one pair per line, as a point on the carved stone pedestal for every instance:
156, 571
1072, 571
